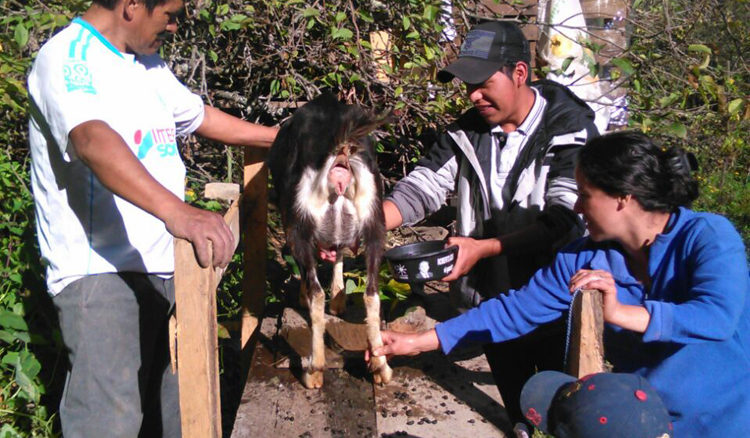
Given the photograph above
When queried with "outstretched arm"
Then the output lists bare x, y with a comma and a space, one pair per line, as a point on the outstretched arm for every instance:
228, 129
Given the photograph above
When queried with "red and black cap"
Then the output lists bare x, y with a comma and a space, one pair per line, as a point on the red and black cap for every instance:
609, 405
486, 48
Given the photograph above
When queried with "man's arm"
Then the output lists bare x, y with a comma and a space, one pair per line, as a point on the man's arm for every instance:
225, 128
114, 164
393, 218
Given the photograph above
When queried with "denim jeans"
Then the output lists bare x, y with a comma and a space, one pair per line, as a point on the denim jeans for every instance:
119, 384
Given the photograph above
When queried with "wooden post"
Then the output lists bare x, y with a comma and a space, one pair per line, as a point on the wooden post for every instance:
586, 353
254, 221
197, 340
197, 345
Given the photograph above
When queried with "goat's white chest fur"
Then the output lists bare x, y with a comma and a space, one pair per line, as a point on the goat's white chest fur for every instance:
337, 218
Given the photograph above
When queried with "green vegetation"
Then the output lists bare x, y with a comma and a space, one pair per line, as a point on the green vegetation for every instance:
688, 77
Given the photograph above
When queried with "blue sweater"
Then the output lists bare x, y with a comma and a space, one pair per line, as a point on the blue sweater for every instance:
696, 348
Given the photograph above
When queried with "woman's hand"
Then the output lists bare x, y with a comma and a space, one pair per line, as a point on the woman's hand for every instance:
470, 251
630, 317
405, 344
601, 281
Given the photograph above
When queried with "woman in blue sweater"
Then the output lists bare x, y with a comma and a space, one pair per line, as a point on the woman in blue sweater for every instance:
675, 287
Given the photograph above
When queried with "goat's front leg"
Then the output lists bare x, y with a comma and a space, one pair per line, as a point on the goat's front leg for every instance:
337, 305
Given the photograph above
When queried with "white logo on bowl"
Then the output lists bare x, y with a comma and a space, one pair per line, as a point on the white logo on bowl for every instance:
445, 259
447, 269
400, 271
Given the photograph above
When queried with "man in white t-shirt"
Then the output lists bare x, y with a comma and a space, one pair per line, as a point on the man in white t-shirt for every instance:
108, 184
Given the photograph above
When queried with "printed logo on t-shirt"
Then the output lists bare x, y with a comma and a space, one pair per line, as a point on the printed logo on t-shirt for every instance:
160, 139
78, 77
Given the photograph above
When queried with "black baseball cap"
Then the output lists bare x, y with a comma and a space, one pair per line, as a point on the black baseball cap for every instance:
486, 48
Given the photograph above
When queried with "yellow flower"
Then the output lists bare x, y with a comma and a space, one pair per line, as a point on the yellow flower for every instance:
561, 46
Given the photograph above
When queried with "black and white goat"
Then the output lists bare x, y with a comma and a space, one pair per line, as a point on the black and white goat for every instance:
329, 192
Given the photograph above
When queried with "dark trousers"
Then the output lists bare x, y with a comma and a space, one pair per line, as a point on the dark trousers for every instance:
514, 362
119, 384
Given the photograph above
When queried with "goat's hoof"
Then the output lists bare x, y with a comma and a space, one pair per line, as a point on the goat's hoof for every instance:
337, 305
312, 379
382, 375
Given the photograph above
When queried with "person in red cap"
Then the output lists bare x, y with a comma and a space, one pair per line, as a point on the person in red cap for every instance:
509, 162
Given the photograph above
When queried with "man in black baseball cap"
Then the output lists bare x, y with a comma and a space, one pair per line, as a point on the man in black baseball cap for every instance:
509, 163
486, 49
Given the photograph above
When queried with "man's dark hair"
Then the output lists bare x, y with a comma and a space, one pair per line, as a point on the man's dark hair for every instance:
110, 4
629, 163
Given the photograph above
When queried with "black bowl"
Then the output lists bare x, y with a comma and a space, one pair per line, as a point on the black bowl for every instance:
421, 261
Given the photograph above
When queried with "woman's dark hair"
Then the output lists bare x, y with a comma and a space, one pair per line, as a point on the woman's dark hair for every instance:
110, 4
629, 163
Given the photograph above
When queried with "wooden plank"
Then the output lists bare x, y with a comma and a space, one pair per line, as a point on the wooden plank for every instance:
223, 191
586, 354
195, 325
254, 220
197, 345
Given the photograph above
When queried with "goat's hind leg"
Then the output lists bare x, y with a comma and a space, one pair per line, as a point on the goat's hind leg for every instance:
312, 376
304, 252
381, 372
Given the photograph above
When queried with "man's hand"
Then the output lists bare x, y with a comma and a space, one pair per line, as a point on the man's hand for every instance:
200, 227
470, 251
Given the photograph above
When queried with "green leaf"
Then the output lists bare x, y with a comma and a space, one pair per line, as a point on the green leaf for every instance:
734, 106
222, 332
677, 129
27, 368
350, 286
21, 35
566, 63
699, 48
310, 12
405, 22
340, 16
431, 13
365, 16
342, 34
12, 321
624, 65
8, 431
293, 263
214, 57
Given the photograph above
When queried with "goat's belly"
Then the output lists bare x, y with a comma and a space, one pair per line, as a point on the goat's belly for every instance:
338, 226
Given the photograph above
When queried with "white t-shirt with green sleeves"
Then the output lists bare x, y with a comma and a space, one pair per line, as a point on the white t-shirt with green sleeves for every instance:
83, 228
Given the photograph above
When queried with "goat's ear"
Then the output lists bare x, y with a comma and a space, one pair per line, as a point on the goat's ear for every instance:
366, 124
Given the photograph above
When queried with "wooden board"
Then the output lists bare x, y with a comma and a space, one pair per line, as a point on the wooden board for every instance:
197, 345
254, 221
586, 355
